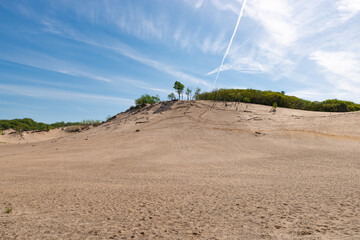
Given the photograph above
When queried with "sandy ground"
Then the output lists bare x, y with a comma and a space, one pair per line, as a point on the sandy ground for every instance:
192, 171
26, 137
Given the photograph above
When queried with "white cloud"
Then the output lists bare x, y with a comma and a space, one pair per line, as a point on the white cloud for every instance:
195, 3
348, 8
340, 68
342, 63
50, 93
309, 94
290, 31
227, 5
276, 18
41, 61
139, 84
243, 65
267, 48
125, 50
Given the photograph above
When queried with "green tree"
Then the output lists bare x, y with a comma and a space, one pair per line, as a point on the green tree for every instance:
188, 93
171, 97
179, 87
197, 92
146, 98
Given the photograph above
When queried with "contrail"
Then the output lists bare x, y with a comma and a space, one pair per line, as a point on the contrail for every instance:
231, 40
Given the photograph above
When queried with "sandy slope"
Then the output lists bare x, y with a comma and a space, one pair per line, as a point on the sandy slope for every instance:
192, 172
26, 137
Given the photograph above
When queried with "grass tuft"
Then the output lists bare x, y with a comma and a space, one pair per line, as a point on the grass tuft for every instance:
8, 209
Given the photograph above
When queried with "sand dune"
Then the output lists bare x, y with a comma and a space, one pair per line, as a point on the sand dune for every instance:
26, 137
188, 170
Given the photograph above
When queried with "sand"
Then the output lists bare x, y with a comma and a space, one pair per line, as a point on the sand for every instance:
188, 170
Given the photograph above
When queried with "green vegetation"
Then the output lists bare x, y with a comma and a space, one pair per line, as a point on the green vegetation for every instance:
8, 209
76, 128
109, 117
197, 92
172, 97
270, 98
275, 105
179, 87
27, 124
188, 93
91, 122
146, 99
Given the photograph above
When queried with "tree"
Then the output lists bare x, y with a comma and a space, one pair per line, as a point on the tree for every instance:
197, 92
146, 98
179, 87
188, 93
171, 97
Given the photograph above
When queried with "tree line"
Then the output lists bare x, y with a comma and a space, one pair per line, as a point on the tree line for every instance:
281, 100
27, 124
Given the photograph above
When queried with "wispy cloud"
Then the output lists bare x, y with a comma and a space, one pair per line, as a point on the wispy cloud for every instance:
51, 93
344, 67
227, 5
125, 50
166, 68
139, 84
348, 8
312, 43
45, 62
195, 3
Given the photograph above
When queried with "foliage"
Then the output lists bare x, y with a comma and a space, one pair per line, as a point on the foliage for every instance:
197, 92
27, 124
8, 209
91, 122
146, 99
281, 100
76, 128
179, 87
188, 93
275, 105
171, 97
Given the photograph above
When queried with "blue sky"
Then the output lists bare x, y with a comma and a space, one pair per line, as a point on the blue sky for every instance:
74, 60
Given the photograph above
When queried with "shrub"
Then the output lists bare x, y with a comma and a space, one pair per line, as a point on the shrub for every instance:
172, 97
76, 128
91, 122
275, 105
270, 98
147, 99
8, 209
27, 124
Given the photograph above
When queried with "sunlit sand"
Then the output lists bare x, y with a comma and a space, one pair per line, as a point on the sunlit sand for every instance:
187, 170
